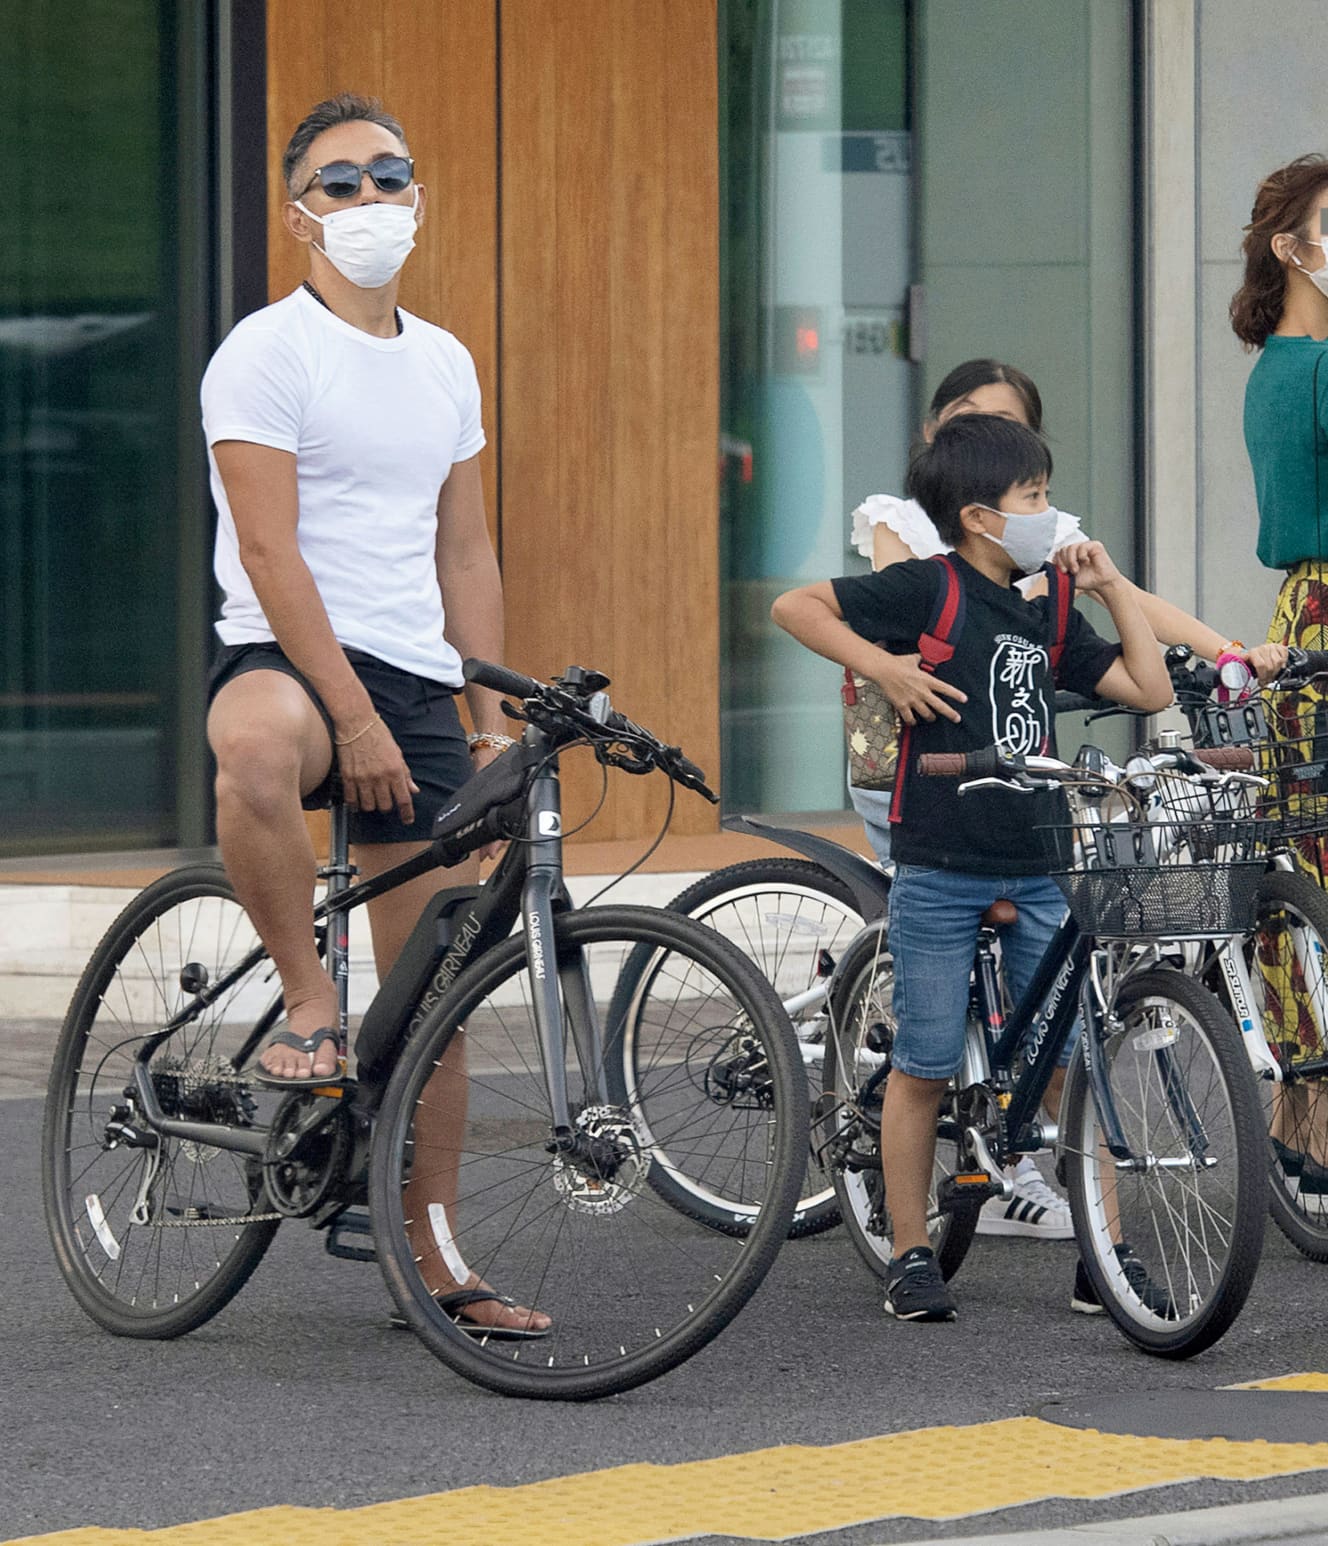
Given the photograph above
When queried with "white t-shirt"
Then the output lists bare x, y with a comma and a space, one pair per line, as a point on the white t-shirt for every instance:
915, 529
375, 425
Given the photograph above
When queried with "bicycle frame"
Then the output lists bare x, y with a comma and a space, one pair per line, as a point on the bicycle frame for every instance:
457, 927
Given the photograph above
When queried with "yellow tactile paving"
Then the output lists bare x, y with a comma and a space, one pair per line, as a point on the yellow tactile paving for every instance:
769, 1494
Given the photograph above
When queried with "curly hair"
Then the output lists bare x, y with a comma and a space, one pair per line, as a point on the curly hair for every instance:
1284, 202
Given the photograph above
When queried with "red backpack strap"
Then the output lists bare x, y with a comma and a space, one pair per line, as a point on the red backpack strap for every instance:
1060, 589
936, 644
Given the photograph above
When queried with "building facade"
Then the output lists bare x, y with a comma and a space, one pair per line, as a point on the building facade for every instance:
711, 257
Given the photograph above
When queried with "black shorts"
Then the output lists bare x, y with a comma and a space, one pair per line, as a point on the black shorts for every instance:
421, 714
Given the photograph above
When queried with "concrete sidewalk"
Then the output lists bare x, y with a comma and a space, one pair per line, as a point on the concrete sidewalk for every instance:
1287, 1519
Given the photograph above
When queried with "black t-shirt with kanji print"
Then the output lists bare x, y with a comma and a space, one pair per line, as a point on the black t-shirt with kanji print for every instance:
1001, 662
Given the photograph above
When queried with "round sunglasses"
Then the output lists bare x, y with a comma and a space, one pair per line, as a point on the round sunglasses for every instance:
341, 179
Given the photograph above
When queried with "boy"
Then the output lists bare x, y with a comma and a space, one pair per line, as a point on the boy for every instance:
983, 482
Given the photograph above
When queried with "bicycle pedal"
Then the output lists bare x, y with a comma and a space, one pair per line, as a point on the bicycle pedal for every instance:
968, 1189
352, 1223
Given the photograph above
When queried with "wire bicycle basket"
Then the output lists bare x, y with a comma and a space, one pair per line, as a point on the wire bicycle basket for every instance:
1184, 863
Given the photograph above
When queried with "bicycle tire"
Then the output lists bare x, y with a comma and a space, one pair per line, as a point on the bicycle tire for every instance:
861, 1006
1185, 1095
808, 912
633, 1285
1297, 1109
169, 1276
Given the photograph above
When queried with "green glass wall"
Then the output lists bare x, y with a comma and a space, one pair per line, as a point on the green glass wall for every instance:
103, 300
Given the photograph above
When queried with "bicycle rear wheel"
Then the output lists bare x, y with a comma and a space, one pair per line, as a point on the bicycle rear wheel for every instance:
466, 1185
1288, 961
848, 1126
794, 920
1171, 1237
154, 1240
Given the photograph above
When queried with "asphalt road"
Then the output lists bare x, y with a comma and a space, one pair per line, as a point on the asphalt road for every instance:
300, 1393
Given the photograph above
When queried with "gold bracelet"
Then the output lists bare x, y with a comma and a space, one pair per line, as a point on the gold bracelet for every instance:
358, 733
491, 740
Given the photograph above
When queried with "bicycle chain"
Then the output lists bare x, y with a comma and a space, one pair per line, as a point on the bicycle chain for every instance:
247, 1218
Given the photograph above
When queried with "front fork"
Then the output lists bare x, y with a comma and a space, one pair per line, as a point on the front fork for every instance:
560, 982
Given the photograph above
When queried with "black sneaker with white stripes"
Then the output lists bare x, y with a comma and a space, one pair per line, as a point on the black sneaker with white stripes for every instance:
1084, 1297
915, 1288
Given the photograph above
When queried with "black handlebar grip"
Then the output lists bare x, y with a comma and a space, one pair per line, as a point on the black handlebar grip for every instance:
1308, 663
500, 679
943, 764
1227, 759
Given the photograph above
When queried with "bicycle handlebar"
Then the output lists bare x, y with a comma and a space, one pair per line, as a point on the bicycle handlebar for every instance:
990, 762
500, 679
566, 704
1303, 664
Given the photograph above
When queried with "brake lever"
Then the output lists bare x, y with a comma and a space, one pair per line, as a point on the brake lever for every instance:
1015, 784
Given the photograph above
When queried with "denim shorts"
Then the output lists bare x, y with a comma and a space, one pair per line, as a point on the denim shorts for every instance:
421, 714
873, 805
934, 920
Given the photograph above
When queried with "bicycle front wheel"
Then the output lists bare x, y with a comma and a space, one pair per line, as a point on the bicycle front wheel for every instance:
847, 1130
1288, 960
1171, 1233
154, 1235
471, 1187
794, 920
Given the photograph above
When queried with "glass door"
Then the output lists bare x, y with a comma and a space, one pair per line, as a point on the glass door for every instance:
101, 290
817, 385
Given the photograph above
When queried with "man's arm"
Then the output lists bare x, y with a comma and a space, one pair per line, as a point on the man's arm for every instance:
472, 588
263, 495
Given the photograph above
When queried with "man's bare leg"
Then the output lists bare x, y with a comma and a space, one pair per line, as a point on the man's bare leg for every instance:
272, 748
441, 1118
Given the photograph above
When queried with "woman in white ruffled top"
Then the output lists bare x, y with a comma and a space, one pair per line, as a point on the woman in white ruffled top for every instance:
889, 530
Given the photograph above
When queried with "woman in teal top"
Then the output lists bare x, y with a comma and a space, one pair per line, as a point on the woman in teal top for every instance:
1282, 310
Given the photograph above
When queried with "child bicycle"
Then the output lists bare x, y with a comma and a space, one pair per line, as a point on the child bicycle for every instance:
1162, 1138
479, 1127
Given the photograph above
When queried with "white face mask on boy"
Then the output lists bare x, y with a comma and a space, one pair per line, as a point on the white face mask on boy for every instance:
1030, 540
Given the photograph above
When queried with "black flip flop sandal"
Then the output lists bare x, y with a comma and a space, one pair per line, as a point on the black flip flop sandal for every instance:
310, 1047
452, 1304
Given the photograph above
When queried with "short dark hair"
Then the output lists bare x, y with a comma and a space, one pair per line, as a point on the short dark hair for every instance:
345, 107
966, 378
975, 459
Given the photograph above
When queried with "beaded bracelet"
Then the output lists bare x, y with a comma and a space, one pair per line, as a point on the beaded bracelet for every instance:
490, 740
358, 733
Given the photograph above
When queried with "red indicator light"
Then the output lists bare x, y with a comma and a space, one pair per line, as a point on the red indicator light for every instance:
807, 341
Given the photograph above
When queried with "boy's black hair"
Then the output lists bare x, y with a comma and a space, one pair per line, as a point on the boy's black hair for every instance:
975, 459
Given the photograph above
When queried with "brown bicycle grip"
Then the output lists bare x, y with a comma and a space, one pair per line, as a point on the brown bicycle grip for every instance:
1228, 759
943, 764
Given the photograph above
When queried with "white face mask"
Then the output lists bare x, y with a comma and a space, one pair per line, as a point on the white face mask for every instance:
1319, 277
1030, 540
369, 242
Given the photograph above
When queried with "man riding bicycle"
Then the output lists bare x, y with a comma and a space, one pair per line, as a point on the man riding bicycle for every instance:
356, 569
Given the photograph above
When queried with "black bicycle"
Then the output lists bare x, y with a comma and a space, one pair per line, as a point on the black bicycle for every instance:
479, 1128
1162, 1138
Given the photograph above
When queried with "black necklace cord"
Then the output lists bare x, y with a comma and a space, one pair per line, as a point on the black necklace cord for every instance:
308, 284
